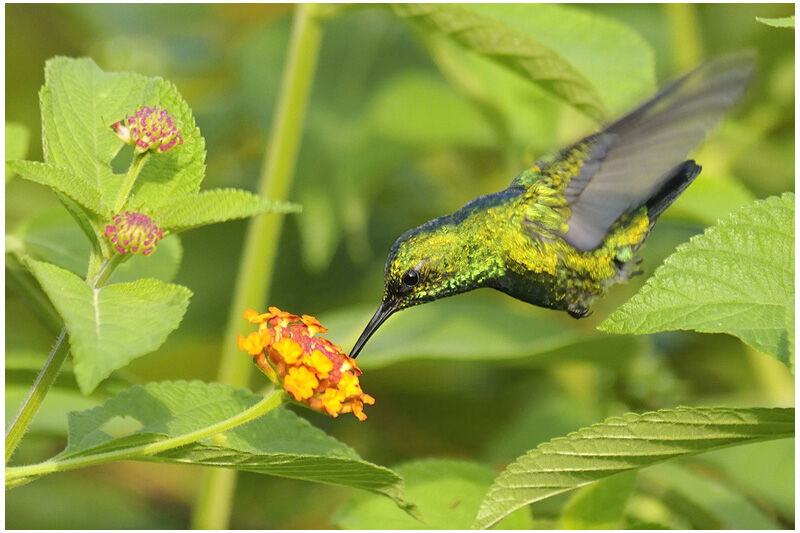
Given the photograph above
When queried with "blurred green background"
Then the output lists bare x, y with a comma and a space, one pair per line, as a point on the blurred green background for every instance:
390, 142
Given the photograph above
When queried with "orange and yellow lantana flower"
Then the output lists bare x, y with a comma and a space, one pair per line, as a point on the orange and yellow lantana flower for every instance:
311, 368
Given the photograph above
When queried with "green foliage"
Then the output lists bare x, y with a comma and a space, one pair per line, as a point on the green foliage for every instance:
780, 22
209, 207
61, 180
708, 502
600, 505
447, 494
17, 140
510, 46
737, 278
279, 443
110, 326
625, 443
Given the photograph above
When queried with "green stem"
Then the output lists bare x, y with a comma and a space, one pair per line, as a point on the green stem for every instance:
130, 178
213, 505
37, 393
98, 275
16, 474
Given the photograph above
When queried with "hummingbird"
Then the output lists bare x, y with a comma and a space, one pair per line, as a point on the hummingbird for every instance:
568, 227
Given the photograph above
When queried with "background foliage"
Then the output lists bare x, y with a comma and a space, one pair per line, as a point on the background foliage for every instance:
397, 135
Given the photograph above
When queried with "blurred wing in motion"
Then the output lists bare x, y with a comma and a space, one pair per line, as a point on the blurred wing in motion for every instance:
634, 158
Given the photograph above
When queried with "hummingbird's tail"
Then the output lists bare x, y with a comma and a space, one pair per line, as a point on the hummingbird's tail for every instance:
681, 177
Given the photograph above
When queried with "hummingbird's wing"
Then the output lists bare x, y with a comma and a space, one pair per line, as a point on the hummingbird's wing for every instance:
631, 159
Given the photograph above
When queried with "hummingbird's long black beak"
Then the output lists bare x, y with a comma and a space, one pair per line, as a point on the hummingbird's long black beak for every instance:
384, 311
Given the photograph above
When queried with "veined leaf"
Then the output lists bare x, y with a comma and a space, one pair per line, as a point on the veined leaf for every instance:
110, 326
60, 180
79, 102
512, 47
17, 140
279, 443
625, 443
600, 505
780, 22
217, 205
737, 278
446, 492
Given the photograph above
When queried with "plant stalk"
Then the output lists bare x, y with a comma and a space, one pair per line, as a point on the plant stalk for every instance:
213, 505
15, 474
130, 178
37, 393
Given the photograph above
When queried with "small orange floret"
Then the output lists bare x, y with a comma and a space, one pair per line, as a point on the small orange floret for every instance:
251, 344
311, 368
300, 382
288, 349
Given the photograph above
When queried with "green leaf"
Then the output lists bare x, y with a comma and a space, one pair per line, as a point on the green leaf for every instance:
600, 505
737, 278
708, 502
110, 326
780, 22
60, 180
446, 492
79, 103
625, 443
509, 46
615, 59
217, 205
17, 140
279, 443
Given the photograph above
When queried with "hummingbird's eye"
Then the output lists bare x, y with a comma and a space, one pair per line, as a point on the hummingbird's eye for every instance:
411, 278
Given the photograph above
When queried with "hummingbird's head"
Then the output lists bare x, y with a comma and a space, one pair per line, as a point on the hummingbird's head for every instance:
426, 263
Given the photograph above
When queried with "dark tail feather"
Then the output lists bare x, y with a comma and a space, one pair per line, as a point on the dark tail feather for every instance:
681, 177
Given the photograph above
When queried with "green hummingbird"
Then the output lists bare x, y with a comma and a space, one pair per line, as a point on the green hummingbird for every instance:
568, 227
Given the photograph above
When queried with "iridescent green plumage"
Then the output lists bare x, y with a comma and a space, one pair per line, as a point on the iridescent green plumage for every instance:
568, 227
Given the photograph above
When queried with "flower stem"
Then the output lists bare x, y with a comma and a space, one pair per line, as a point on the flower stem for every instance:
37, 393
213, 505
16, 474
130, 178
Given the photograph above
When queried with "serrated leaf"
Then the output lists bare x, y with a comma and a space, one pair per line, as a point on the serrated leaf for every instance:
279, 443
600, 505
216, 205
780, 22
17, 140
615, 59
79, 103
510, 46
625, 443
446, 492
737, 278
110, 326
60, 180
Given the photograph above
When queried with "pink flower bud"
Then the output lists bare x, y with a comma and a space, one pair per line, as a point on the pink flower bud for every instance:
148, 129
134, 233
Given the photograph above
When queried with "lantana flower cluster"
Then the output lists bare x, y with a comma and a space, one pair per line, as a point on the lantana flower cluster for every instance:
311, 368
134, 233
150, 128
